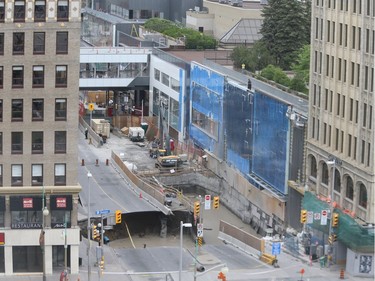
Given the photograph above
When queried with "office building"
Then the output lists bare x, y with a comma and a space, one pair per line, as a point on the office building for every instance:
39, 77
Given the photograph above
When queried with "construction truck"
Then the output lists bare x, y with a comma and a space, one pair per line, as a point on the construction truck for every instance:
171, 161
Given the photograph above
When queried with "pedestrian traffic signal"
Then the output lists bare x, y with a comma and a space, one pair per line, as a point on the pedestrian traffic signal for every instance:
197, 207
303, 216
335, 220
118, 216
216, 202
94, 234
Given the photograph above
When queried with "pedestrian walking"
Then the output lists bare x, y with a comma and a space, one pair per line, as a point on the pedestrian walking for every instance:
86, 132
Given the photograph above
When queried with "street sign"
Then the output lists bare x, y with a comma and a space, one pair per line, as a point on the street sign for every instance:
317, 216
91, 106
276, 248
310, 217
207, 202
102, 212
200, 230
323, 217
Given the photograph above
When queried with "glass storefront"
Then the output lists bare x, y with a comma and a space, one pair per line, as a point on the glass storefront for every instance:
27, 259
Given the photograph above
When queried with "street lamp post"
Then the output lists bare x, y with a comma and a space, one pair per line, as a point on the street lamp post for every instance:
89, 175
45, 213
332, 163
182, 225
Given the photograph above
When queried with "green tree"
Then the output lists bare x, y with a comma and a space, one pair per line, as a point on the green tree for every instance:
276, 74
302, 65
285, 29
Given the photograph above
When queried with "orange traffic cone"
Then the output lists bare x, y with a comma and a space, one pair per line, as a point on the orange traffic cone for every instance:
342, 273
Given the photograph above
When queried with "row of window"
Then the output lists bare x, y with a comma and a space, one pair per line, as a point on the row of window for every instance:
37, 77
342, 108
355, 6
342, 69
342, 143
348, 182
37, 142
39, 43
19, 10
167, 80
37, 112
343, 36
17, 178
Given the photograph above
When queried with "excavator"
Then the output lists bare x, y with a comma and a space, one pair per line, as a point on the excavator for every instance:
163, 154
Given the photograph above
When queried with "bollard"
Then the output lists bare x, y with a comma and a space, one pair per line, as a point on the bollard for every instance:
107, 162
97, 162
83, 162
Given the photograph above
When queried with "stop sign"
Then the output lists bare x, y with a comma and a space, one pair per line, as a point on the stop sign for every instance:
324, 213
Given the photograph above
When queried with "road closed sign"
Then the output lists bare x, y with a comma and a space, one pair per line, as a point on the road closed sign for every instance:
207, 202
323, 217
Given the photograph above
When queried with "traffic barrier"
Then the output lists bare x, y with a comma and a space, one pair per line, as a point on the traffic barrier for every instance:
267, 258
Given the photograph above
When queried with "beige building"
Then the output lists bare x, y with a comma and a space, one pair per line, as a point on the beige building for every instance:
39, 80
341, 137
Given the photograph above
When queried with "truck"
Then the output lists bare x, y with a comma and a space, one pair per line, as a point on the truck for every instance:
171, 161
136, 134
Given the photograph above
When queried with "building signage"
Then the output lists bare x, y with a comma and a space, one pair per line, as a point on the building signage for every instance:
323, 218
200, 230
27, 203
61, 202
23, 225
2, 238
207, 202
310, 217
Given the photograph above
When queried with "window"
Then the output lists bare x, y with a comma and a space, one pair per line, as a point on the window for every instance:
18, 43
62, 10
363, 148
37, 174
337, 186
39, 43
1, 175
359, 38
40, 11
60, 142
17, 142
1, 143
165, 79
17, 175
1, 77
364, 115
313, 169
19, 11
62, 42
2, 10
17, 77
349, 188
37, 142
338, 105
17, 110
353, 37
175, 85
61, 76
60, 109
355, 6
1, 110
349, 145
362, 196
60, 174
157, 74
1, 43
324, 174
38, 76
38, 109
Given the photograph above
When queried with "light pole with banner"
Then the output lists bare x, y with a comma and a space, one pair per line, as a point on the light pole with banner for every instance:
89, 175
182, 225
42, 243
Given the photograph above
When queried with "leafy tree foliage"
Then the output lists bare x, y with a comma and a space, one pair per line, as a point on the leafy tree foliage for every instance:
194, 39
302, 65
276, 74
255, 58
285, 29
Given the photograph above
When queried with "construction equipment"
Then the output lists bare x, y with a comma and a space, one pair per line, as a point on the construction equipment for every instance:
136, 134
172, 161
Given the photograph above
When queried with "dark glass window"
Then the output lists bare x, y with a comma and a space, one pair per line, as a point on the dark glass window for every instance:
62, 10
19, 11
362, 200
1, 43
40, 11
1, 77
349, 188
61, 76
38, 76
39, 43
37, 142
2, 10
17, 142
18, 43
60, 142
17, 77
38, 110
62, 42
1, 151
27, 258
1, 110
60, 109
17, 110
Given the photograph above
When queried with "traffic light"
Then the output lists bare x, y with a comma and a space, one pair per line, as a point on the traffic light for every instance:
99, 231
335, 220
118, 216
197, 207
94, 233
303, 216
216, 202
332, 238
